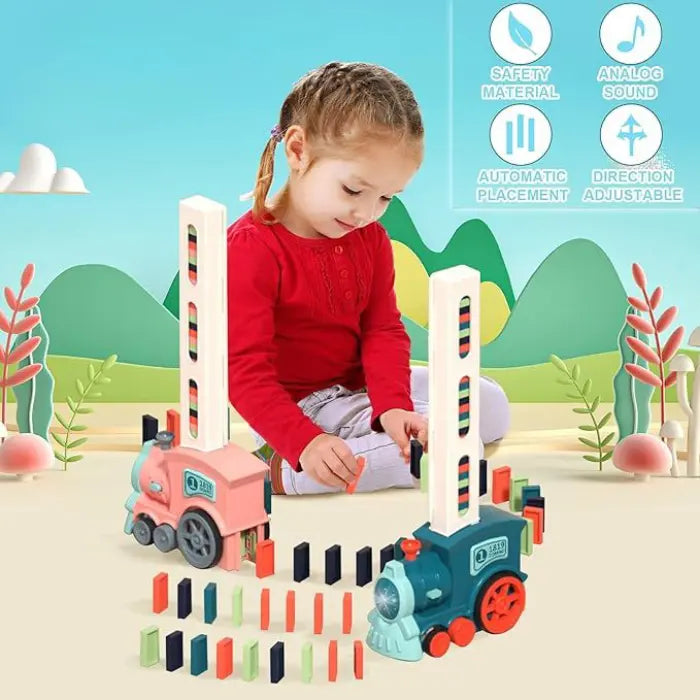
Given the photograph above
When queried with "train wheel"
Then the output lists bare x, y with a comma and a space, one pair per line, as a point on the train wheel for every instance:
164, 538
199, 540
436, 642
461, 631
143, 530
500, 604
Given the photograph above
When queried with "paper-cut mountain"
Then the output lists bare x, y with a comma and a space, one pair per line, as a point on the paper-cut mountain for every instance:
472, 244
573, 305
94, 311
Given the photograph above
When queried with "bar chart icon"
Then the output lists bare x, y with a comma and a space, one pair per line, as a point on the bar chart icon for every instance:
520, 129
520, 134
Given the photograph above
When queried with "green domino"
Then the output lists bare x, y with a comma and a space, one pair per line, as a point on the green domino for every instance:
424, 467
237, 606
251, 661
307, 661
516, 494
526, 537
150, 646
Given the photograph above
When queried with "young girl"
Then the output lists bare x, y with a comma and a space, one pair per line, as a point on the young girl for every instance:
318, 355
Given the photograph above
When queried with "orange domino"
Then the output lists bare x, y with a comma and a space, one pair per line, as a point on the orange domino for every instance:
160, 592
347, 612
350, 488
173, 425
358, 659
500, 485
265, 558
224, 658
265, 609
537, 517
291, 612
332, 660
318, 613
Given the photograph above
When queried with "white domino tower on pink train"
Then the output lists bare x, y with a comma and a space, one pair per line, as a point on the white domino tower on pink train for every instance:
454, 360
204, 406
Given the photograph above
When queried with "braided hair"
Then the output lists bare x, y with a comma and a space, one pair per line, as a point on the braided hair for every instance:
340, 106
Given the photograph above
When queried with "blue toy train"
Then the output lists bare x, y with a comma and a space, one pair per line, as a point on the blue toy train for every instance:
440, 590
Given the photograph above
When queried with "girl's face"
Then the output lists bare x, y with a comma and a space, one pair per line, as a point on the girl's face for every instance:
337, 195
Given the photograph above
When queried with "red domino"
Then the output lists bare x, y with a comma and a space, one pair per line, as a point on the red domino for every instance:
347, 612
224, 658
358, 659
265, 559
160, 592
537, 517
500, 485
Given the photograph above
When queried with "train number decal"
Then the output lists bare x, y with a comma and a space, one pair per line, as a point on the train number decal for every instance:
197, 484
486, 552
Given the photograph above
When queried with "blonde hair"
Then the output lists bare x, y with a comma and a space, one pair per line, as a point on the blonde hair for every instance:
340, 106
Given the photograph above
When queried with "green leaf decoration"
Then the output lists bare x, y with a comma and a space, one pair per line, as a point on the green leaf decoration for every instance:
595, 403
576, 372
588, 443
587, 427
62, 420
607, 439
578, 409
573, 396
604, 420
58, 438
587, 387
77, 408
558, 363
591, 458
565, 382
607, 456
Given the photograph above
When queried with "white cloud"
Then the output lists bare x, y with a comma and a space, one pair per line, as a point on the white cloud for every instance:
38, 174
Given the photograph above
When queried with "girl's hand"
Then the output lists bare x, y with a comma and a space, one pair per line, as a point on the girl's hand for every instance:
329, 460
402, 425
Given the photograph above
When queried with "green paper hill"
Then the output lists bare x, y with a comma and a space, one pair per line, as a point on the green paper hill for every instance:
472, 244
573, 305
96, 310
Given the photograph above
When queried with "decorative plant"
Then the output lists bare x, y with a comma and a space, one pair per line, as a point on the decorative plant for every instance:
582, 394
34, 398
85, 392
632, 404
12, 327
654, 327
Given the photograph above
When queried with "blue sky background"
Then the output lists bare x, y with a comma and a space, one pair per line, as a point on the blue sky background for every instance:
152, 102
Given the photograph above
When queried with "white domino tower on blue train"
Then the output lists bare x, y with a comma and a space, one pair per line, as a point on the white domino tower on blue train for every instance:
454, 360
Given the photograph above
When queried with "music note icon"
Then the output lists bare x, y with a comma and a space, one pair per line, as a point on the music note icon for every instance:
627, 46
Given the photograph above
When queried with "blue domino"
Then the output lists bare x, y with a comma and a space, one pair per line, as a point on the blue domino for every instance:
198, 655
530, 492
210, 603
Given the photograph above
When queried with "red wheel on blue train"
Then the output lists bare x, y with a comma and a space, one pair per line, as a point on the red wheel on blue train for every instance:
436, 642
500, 603
461, 631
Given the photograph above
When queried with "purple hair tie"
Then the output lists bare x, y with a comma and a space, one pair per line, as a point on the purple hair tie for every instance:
277, 133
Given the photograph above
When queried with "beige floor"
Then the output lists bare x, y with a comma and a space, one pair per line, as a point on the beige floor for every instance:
612, 603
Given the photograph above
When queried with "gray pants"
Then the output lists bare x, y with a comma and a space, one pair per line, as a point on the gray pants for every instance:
347, 414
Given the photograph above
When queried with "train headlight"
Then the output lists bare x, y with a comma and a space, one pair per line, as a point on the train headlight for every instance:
387, 599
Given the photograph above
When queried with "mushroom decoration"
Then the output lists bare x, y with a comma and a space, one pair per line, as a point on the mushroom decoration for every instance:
642, 454
672, 431
683, 366
24, 455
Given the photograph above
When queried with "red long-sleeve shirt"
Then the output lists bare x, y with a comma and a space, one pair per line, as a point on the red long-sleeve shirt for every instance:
305, 314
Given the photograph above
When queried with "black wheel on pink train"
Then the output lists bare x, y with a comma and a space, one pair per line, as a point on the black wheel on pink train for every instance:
143, 530
199, 540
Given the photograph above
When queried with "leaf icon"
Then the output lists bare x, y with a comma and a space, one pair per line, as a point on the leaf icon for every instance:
519, 33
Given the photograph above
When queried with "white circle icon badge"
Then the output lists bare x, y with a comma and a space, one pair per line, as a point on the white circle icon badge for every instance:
630, 33
631, 134
520, 134
521, 33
